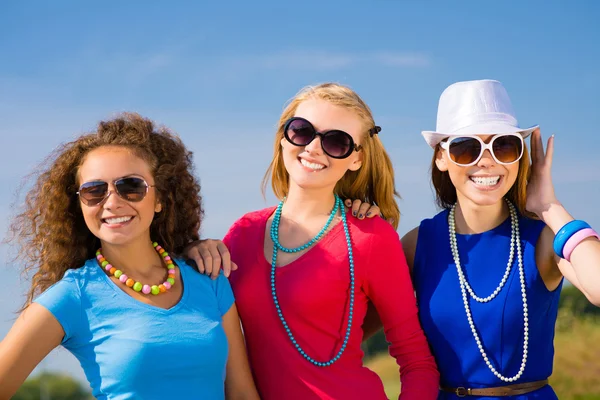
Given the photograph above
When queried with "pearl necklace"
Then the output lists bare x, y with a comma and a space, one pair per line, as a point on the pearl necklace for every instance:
466, 288
277, 246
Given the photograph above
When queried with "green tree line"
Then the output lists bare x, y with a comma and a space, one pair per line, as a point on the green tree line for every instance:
50, 386
572, 303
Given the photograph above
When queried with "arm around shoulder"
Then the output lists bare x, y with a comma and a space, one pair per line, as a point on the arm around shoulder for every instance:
35, 333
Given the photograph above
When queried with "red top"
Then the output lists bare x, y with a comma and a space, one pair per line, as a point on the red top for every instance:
313, 296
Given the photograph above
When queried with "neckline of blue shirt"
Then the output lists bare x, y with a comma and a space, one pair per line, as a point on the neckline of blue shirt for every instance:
499, 228
183, 273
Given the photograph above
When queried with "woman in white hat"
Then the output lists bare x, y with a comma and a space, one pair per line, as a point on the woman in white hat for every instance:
489, 268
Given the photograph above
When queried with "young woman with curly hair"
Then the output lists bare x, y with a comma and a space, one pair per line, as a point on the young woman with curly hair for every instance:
96, 226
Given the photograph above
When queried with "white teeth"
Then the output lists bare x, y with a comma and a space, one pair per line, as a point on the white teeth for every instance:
118, 220
311, 165
485, 180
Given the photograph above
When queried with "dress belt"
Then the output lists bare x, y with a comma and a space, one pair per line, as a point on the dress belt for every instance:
508, 390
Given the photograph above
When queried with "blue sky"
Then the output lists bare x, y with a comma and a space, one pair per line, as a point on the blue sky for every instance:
219, 75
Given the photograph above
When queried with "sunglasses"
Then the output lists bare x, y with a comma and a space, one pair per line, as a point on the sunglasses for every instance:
131, 188
335, 143
468, 150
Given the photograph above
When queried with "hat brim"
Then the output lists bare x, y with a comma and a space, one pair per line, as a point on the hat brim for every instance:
434, 138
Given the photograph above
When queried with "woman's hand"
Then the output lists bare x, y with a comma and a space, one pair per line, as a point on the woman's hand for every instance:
540, 190
361, 210
210, 255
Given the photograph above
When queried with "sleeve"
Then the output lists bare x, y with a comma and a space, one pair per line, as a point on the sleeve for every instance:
63, 300
390, 289
231, 241
230, 237
224, 293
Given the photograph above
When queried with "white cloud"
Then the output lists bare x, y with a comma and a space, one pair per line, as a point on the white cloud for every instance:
392, 59
130, 70
310, 59
330, 60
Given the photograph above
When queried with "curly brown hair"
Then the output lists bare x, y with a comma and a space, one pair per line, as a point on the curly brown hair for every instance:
50, 232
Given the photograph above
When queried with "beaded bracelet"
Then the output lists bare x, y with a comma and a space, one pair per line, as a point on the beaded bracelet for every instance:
577, 238
564, 233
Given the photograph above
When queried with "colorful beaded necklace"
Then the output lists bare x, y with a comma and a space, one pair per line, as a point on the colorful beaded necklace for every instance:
136, 285
277, 246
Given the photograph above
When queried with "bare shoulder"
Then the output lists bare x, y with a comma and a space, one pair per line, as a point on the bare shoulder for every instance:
546, 260
409, 240
409, 245
36, 315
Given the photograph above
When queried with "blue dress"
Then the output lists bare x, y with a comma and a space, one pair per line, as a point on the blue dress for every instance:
498, 322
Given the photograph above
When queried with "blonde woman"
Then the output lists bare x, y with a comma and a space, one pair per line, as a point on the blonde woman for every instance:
306, 272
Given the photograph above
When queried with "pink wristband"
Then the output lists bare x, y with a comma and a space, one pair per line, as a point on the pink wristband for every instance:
576, 239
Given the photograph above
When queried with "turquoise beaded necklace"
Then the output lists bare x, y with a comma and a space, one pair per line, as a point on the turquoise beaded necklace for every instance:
277, 246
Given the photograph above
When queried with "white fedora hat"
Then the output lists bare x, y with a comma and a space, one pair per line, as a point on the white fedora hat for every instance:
474, 108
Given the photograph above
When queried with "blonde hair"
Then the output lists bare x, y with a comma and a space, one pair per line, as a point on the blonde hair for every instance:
373, 182
445, 192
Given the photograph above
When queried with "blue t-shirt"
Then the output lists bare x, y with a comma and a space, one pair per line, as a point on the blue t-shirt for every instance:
132, 350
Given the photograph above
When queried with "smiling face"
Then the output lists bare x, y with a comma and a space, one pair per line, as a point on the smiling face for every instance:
485, 183
117, 221
309, 167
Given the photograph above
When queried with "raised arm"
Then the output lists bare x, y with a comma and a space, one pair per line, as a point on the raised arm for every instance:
35, 333
390, 289
582, 265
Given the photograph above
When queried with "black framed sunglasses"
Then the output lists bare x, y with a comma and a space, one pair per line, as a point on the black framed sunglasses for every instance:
335, 143
131, 188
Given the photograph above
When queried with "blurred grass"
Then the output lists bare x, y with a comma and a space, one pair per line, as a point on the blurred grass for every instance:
576, 373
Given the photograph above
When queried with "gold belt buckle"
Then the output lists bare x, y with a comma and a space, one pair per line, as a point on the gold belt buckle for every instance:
462, 391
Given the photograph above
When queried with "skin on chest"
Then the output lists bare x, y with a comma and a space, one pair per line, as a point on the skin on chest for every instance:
292, 235
163, 300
